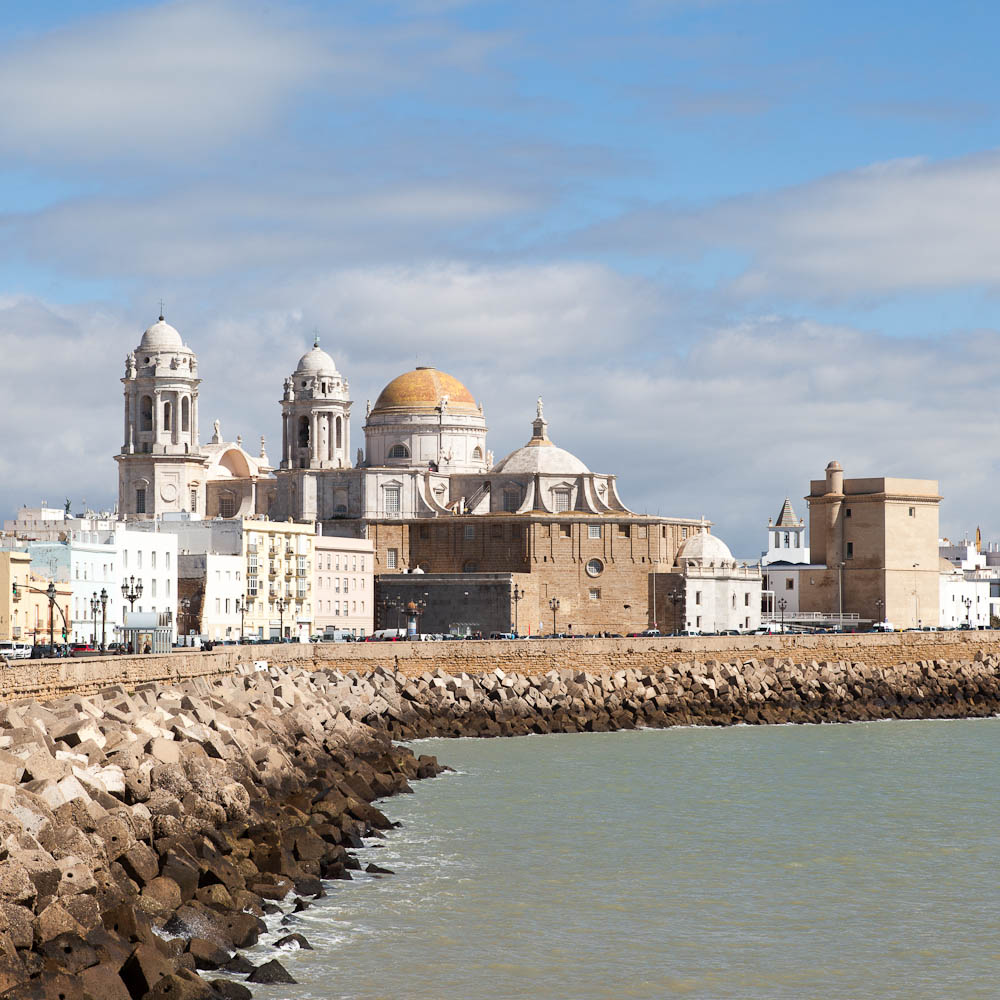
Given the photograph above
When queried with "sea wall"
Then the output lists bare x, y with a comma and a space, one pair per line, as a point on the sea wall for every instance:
148, 827
51, 678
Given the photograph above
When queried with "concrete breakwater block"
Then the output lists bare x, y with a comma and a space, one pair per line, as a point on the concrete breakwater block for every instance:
145, 833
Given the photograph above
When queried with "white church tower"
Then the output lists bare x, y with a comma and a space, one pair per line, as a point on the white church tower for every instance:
786, 538
160, 467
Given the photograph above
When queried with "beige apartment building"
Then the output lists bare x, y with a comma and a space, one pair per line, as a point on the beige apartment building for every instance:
344, 584
279, 575
877, 541
24, 612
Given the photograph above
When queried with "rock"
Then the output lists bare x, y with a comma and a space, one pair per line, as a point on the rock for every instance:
143, 969
54, 920
292, 941
270, 972
226, 989
70, 953
16, 885
102, 982
207, 954
239, 964
374, 869
181, 985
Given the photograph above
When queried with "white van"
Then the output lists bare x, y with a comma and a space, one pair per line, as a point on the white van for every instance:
389, 635
15, 650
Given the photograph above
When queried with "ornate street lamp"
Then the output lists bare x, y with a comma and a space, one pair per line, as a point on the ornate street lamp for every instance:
104, 616
879, 605
967, 601
95, 606
782, 604
554, 605
131, 591
517, 595
281, 604
241, 607
675, 597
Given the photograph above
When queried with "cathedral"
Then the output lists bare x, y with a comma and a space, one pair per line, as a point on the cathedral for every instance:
424, 488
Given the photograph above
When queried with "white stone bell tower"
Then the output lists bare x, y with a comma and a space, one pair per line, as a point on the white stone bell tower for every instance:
160, 467
315, 415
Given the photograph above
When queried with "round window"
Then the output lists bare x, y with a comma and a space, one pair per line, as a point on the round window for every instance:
595, 567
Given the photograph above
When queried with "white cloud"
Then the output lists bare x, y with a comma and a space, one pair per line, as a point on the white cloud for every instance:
904, 226
727, 429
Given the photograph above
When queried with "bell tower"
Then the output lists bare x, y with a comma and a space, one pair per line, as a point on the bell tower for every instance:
160, 467
315, 415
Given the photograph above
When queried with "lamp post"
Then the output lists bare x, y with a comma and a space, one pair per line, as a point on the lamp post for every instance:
916, 597
879, 605
95, 605
131, 591
840, 594
967, 601
281, 604
782, 604
675, 597
554, 605
517, 595
104, 616
241, 607
50, 593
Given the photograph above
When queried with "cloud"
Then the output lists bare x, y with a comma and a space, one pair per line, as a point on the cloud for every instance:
909, 225
726, 427
167, 84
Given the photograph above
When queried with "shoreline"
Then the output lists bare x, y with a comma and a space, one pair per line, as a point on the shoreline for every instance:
145, 832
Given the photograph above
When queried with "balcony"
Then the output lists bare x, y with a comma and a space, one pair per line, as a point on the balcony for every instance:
252, 548
289, 572
302, 571
289, 552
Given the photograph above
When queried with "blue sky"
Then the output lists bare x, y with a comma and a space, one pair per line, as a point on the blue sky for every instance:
727, 241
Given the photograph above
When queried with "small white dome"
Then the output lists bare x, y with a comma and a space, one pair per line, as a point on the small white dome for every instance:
161, 336
703, 548
543, 458
317, 362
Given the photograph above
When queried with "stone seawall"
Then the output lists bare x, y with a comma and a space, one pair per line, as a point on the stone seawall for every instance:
49, 678
145, 830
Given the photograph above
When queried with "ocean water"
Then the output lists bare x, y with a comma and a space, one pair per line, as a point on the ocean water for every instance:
763, 862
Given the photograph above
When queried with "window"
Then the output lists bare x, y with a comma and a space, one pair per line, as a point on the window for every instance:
595, 567
185, 414
595, 593
565, 530
511, 500
227, 505
515, 532
850, 550
913, 512
218, 605
227, 605
303, 432
166, 416
560, 500
593, 531
392, 558
746, 600
399, 451
471, 567
152, 559
166, 557
152, 592
642, 531
146, 413
392, 499
625, 530
684, 532
697, 622
788, 539
790, 584
140, 499
697, 599
847, 512
477, 453
194, 499
470, 532
496, 531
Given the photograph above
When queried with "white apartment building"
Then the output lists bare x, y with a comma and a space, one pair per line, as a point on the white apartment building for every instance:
96, 553
970, 585
344, 584
212, 594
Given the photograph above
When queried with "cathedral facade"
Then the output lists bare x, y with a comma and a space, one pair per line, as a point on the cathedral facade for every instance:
424, 488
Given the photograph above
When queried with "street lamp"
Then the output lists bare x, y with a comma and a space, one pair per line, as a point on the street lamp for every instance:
131, 591
517, 595
967, 601
782, 604
281, 604
554, 605
95, 606
50, 593
916, 596
840, 593
879, 605
675, 597
241, 607
104, 615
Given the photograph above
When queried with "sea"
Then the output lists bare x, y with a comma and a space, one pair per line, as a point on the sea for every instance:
833, 861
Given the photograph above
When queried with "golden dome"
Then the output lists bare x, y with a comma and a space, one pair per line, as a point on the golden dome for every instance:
422, 390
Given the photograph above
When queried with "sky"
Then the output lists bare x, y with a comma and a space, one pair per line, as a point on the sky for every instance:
726, 241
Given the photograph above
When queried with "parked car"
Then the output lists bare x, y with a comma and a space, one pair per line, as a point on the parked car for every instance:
43, 651
14, 650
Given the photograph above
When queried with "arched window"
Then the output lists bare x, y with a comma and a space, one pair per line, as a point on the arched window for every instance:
303, 432
399, 451
340, 432
185, 415
166, 416
146, 413
787, 539
477, 453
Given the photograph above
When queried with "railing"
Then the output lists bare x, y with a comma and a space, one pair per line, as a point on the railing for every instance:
809, 616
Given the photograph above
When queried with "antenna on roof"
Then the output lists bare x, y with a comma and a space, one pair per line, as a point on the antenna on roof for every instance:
161, 310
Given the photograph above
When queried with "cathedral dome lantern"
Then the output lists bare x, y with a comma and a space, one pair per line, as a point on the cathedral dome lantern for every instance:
316, 362
161, 336
427, 419
541, 455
